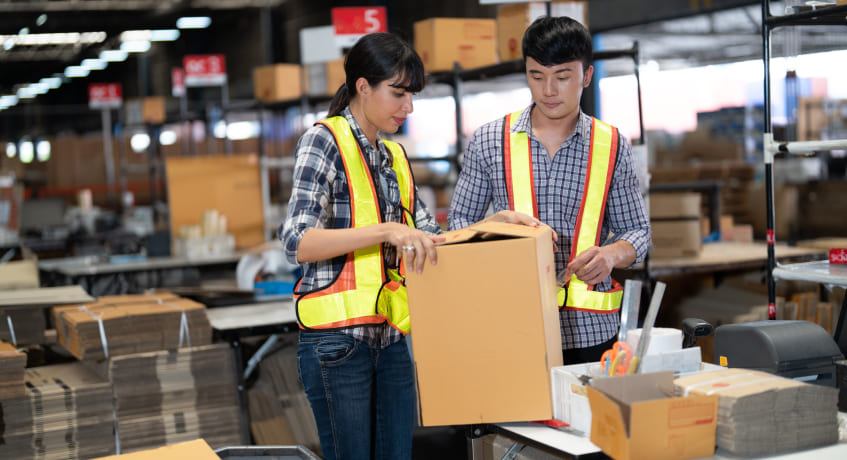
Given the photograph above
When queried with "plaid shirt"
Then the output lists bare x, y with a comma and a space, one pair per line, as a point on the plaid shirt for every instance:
558, 188
320, 199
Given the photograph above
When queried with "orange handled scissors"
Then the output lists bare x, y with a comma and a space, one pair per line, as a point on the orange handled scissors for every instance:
616, 360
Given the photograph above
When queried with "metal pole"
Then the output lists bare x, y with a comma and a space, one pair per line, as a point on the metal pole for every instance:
457, 98
635, 58
768, 158
224, 107
106, 118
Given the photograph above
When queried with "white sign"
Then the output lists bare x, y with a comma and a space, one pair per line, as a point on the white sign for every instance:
317, 44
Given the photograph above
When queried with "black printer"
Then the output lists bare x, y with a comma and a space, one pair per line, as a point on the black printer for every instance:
791, 349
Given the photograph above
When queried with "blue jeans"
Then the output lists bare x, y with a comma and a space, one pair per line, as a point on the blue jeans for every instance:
363, 398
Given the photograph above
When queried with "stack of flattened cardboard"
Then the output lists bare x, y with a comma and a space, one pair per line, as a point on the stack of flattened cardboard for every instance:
12, 365
763, 414
66, 413
22, 326
280, 413
172, 396
122, 325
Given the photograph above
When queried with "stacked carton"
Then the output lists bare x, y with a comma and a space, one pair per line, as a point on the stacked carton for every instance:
12, 364
280, 413
764, 414
22, 325
66, 413
165, 397
121, 325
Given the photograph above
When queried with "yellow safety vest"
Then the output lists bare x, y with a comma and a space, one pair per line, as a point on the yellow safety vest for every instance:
520, 187
365, 292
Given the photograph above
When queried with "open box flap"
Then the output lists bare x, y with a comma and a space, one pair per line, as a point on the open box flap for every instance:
485, 230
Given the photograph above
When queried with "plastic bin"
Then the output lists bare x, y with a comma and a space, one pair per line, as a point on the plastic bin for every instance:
266, 453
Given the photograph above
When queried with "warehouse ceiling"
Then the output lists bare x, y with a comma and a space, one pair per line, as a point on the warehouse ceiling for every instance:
672, 33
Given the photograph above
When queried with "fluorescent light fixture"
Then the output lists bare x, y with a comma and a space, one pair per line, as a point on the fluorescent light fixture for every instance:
42, 150
165, 35
9, 100
65, 38
138, 46
76, 71
39, 88
113, 55
167, 137
27, 152
26, 93
94, 64
193, 22
139, 142
11, 149
135, 35
40, 20
51, 82
8, 44
241, 130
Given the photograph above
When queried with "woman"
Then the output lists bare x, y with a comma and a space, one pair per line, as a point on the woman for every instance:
353, 214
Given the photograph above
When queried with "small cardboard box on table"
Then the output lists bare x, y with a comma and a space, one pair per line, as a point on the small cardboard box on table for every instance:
485, 326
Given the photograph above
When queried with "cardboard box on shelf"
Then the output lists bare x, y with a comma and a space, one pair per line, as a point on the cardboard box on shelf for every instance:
277, 82
636, 416
443, 41
675, 222
513, 19
485, 324
197, 449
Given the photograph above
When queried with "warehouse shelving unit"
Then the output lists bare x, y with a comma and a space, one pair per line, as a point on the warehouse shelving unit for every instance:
820, 272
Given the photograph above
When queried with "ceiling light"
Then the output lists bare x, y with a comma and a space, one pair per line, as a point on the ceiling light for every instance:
165, 35
51, 82
24, 31
27, 151
113, 55
135, 35
94, 64
8, 44
66, 38
9, 100
42, 150
139, 46
11, 149
40, 20
193, 22
76, 71
39, 88
167, 137
26, 92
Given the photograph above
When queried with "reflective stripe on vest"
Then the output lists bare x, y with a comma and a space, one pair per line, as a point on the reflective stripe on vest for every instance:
364, 292
521, 190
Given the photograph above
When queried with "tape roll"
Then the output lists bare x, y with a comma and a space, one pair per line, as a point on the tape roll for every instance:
662, 340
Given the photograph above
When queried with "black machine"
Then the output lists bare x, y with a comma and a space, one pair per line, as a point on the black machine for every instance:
792, 349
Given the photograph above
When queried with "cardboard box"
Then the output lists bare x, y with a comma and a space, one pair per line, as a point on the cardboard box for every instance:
485, 326
277, 82
675, 222
635, 417
513, 19
196, 450
442, 41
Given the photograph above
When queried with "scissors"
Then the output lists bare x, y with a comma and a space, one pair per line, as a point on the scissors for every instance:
616, 361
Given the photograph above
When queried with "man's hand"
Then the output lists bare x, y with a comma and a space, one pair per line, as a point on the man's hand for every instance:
596, 263
515, 217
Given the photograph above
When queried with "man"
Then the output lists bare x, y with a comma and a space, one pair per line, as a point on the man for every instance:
538, 162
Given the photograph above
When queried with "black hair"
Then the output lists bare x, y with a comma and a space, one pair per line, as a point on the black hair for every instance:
379, 57
557, 40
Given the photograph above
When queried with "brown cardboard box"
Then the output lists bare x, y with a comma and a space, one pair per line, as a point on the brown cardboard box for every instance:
675, 222
277, 82
442, 41
635, 417
485, 326
153, 110
195, 450
20, 274
513, 19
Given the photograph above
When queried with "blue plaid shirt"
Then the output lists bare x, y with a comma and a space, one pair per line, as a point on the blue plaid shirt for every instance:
320, 199
558, 189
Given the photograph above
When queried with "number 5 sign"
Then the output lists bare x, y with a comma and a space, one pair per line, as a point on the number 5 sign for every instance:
204, 70
352, 22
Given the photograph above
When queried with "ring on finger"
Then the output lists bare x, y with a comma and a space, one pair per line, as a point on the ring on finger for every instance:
408, 248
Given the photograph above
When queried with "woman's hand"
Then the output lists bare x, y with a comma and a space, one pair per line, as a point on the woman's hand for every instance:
413, 245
